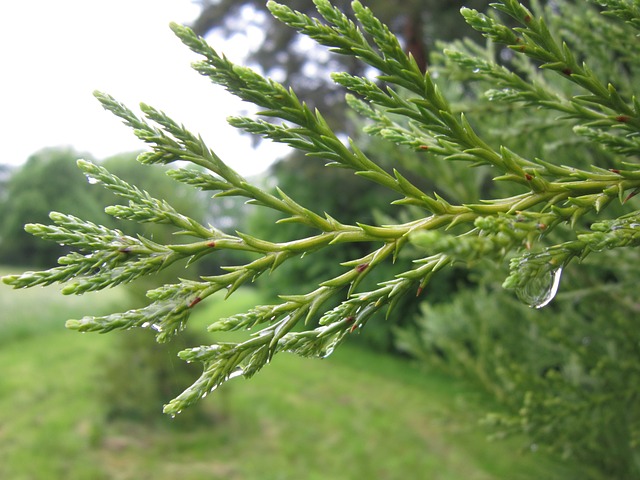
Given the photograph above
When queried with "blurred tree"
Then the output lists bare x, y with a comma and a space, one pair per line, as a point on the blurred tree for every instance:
49, 181
5, 173
305, 65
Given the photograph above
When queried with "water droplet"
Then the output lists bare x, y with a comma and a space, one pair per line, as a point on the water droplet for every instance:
331, 346
539, 291
236, 373
476, 70
506, 54
328, 351
92, 180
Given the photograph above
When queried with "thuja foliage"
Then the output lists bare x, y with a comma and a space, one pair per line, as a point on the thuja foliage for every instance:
568, 373
533, 232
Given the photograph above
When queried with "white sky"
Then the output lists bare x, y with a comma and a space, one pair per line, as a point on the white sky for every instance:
55, 53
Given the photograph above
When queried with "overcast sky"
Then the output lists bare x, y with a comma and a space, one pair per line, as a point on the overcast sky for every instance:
54, 54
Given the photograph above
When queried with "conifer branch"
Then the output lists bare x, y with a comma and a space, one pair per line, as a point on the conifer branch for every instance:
627, 11
405, 107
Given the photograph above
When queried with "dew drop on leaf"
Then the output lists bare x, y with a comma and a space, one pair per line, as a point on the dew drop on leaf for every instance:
327, 352
236, 373
539, 291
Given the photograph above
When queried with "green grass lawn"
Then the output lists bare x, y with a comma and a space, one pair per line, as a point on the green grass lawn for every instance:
356, 415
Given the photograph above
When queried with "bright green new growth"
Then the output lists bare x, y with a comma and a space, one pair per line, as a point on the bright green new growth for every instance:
403, 106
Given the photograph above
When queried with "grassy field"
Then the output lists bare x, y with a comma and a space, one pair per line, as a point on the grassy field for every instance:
356, 415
